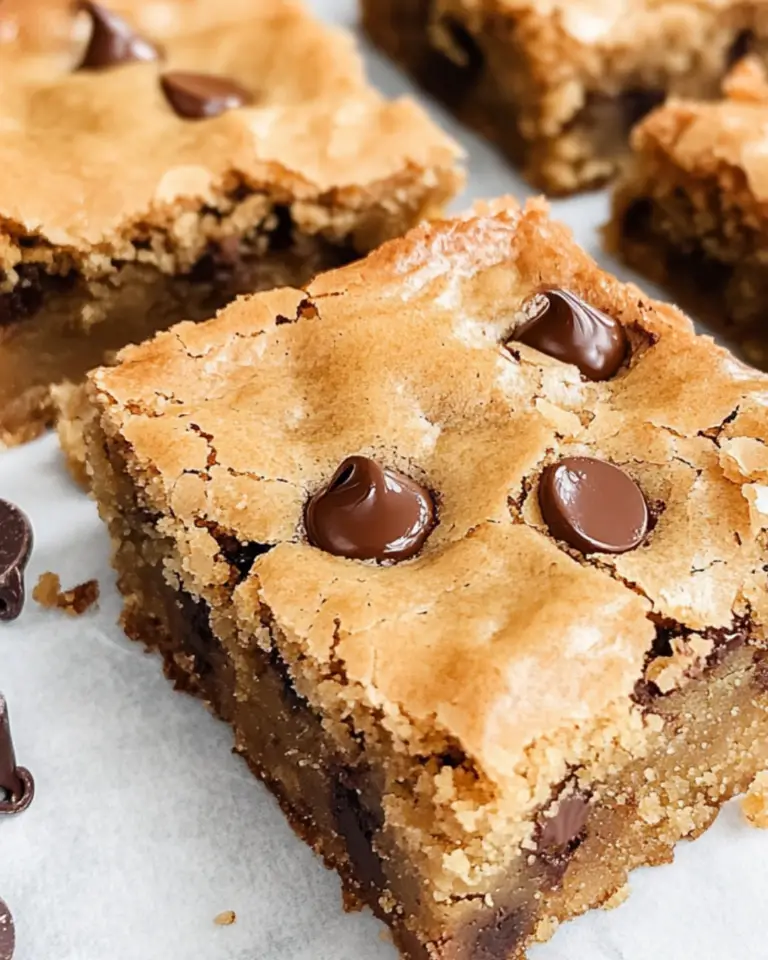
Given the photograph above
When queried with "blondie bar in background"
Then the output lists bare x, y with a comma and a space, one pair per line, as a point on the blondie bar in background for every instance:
692, 209
150, 176
558, 84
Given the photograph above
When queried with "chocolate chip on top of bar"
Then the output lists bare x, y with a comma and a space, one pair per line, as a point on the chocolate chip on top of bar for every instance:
199, 96
15, 548
593, 505
565, 327
368, 512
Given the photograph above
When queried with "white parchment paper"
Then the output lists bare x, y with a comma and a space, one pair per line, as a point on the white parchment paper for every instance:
145, 826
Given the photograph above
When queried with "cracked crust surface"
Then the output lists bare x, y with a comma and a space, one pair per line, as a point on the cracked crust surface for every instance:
316, 134
495, 639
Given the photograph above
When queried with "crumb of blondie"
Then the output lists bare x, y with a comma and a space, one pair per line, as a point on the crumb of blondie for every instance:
74, 602
754, 806
225, 919
619, 897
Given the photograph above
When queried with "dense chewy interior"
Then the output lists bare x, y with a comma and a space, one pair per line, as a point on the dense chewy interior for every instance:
54, 327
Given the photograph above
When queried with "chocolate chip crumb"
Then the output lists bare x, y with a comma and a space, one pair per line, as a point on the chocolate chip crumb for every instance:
7, 932
224, 919
74, 602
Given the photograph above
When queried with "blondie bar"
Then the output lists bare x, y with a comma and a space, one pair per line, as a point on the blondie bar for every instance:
558, 84
138, 191
691, 210
468, 542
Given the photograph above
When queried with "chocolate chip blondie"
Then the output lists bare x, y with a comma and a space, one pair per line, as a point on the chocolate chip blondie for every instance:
154, 179
468, 543
691, 209
558, 84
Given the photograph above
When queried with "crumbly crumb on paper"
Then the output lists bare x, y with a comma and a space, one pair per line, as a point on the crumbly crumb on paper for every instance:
754, 806
74, 602
225, 919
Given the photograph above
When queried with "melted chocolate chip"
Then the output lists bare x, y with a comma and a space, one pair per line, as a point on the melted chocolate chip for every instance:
358, 825
113, 41
33, 287
17, 788
593, 506
368, 512
7, 933
199, 96
561, 835
15, 548
500, 935
565, 327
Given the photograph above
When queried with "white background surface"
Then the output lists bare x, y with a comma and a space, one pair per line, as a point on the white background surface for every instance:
145, 826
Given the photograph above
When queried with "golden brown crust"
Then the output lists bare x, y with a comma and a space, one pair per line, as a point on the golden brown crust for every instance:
494, 638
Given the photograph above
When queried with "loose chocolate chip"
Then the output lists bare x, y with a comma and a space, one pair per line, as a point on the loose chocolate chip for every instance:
17, 788
113, 41
593, 506
368, 512
198, 96
7, 933
563, 326
15, 548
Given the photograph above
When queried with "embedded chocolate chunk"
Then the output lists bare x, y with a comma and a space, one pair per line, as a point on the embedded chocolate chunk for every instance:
368, 512
565, 327
15, 548
7, 933
16, 783
199, 96
593, 506
560, 835
113, 41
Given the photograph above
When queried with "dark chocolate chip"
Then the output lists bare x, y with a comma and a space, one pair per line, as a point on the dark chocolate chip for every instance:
368, 512
199, 96
242, 556
637, 218
358, 825
15, 548
501, 934
7, 933
638, 103
744, 43
563, 326
16, 783
562, 834
593, 506
113, 41
560, 831
34, 285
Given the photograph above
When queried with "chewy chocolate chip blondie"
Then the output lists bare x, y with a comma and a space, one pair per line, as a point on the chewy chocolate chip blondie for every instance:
558, 84
468, 543
691, 211
153, 180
